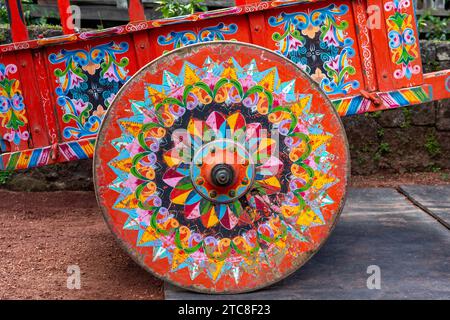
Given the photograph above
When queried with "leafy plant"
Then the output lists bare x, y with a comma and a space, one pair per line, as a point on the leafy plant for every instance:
408, 117
174, 8
383, 149
3, 14
432, 145
433, 28
4, 176
380, 133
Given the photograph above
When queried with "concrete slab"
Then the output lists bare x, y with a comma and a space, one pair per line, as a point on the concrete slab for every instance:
433, 199
378, 227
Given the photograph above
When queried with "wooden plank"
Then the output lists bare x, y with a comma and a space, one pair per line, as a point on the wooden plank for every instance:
102, 13
433, 12
365, 44
383, 66
440, 83
435, 200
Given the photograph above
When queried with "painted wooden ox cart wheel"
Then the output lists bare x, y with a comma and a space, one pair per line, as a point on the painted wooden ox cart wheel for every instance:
221, 167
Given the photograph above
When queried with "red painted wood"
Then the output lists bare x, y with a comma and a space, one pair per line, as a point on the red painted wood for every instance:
243, 2
142, 48
136, 10
46, 96
30, 79
383, 65
19, 30
440, 82
365, 44
66, 16
257, 28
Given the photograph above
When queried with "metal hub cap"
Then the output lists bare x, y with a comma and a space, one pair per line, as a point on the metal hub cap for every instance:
222, 175
222, 171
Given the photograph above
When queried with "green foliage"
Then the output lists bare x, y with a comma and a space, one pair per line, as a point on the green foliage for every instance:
174, 8
4, 176
383, 149
3, 14
432, 145
408, 116
375, 114
435, 168
433, 28
26, 12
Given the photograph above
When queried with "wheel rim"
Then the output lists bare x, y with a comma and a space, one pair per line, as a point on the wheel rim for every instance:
221, 175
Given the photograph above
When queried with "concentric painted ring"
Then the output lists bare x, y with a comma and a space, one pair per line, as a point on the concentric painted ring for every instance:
221, 91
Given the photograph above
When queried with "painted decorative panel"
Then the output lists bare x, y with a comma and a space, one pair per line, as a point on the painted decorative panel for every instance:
179, 39
180, 35
321, 40
87, 80
13, 118
403, 42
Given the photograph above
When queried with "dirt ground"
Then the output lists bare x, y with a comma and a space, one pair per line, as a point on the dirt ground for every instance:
395, 180
41, 234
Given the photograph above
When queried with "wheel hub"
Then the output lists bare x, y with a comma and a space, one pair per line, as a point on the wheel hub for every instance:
222, 171
222, 175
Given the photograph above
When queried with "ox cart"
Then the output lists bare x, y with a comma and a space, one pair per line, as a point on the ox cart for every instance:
220, 161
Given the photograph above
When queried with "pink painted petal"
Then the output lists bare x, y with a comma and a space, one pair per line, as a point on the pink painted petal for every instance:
215, 120
271, 167
229, 220
192, 211
172, 177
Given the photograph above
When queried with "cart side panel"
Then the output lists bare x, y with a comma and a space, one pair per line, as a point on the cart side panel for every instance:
85, 77
321, 39
396, 44
14, 105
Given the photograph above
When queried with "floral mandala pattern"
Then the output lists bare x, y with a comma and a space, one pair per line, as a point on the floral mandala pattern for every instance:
87, 84
12, 108
318, 43
234, 210
282, 187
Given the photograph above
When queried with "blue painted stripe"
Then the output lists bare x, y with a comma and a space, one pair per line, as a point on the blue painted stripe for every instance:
78, 151
354, 105
399, 98
34, 158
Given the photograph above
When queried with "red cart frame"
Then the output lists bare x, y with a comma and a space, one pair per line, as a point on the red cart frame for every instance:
54, 92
